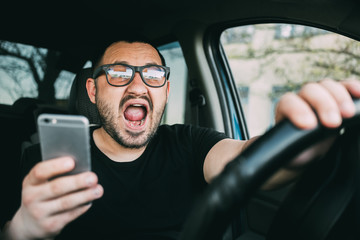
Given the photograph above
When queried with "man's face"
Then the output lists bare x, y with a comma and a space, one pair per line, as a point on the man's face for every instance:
131, 114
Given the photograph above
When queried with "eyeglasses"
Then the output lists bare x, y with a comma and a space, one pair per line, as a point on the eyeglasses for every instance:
120, 74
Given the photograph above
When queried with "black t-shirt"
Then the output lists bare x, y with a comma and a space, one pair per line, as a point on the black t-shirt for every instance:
150, 197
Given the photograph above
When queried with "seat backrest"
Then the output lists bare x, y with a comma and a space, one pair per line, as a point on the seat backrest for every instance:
17, 124
79, 102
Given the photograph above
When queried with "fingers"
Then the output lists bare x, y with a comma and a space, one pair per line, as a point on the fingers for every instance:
66, 203
74, 200
68, 184
51, 205
353, 86
301, 116
330, 100
320, 98
60, 186
342, 96
46, 170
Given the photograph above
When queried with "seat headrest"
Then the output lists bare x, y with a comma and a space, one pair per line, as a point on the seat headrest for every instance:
79, 102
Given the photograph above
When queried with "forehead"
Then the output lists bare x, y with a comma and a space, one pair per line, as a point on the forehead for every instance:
136, 53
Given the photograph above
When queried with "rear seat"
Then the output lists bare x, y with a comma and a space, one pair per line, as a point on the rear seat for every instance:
17, 125
18, 130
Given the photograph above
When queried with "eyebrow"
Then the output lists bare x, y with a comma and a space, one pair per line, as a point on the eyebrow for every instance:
122, 62
125, 62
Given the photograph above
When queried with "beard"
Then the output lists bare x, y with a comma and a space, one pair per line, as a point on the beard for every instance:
110, 121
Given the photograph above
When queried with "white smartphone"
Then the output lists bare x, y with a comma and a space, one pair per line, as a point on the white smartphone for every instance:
65, 135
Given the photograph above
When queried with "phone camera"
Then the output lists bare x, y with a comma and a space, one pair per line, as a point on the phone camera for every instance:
50, 120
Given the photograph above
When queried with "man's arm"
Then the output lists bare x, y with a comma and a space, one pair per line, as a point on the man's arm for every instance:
330, 100
227, 149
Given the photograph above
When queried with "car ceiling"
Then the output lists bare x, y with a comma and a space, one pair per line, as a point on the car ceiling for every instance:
78, 27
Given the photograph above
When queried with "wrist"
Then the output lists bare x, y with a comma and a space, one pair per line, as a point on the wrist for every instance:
14, 229
10, 232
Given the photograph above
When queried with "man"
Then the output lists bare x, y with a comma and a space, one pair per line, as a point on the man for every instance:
145, 178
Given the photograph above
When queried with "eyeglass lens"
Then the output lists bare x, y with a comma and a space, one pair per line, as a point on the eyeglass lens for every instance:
120, 75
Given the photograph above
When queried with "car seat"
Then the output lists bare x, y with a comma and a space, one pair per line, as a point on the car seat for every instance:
79, 102
17, 125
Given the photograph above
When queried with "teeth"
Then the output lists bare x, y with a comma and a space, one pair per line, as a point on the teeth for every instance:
137, 123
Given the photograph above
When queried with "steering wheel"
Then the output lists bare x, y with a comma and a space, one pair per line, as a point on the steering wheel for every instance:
242, 177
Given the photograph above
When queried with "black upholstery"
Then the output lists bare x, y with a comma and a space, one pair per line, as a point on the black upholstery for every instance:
79, 102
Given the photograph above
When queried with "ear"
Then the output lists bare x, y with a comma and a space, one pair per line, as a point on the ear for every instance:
91, 89
167, 91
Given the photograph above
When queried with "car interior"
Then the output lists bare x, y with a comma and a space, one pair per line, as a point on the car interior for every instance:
227, 59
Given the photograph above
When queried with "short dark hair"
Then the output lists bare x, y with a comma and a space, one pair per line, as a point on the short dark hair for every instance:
133, 39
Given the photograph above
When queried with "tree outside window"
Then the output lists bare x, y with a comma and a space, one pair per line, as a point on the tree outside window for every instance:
275, 58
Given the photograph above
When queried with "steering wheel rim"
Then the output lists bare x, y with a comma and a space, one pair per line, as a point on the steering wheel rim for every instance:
242, 177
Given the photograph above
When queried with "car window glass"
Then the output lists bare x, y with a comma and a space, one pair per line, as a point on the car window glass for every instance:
175, 109
267, 60
28, 71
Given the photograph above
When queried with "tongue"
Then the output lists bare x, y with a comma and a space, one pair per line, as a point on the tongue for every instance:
134, 113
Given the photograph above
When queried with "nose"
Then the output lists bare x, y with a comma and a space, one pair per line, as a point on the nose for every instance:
137, 86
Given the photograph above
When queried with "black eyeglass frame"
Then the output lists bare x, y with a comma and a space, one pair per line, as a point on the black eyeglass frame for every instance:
102, 68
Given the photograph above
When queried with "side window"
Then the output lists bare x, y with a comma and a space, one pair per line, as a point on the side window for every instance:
28, 71
268, 60
175, 109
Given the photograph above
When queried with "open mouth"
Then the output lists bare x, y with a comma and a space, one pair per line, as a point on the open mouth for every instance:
135, 114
